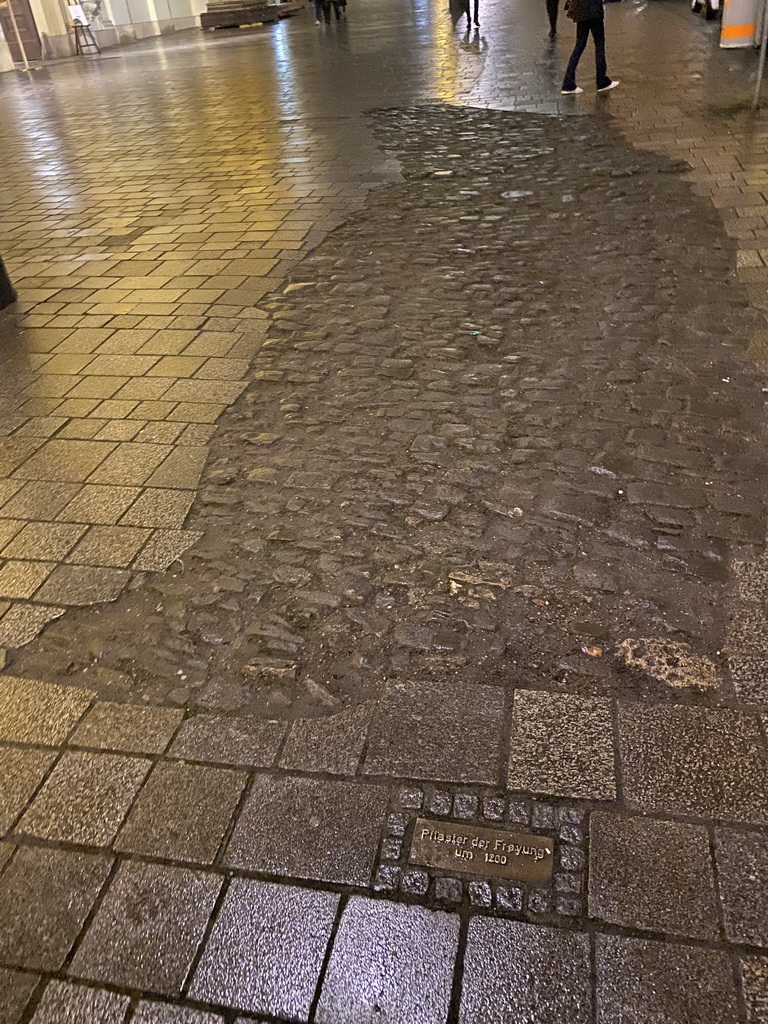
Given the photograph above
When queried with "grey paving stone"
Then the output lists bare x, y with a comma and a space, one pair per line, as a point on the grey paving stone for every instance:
23, 622
16, 988
148, 928
309, 828
562, 745
237, 741
83, 585
754, 979
33, 712
182, 812
438, 731
651, 874
63, 1002
85, 798
333, 744
693, 760
164, 1013
266, 949
525, 972
641, 981
21, 772
390, 962
46, 895
742, 867
132, 728
164, 548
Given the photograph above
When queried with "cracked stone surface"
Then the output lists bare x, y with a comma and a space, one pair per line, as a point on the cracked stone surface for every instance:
307, 533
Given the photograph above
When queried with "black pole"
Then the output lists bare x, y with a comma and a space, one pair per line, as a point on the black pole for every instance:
7, 294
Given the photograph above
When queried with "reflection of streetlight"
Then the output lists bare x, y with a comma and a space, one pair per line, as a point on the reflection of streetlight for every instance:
7, 4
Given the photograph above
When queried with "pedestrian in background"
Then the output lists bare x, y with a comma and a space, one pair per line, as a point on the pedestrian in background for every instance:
589, 17
552, 6
460, 8
323, 12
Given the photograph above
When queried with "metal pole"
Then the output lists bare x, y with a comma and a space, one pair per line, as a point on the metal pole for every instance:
15, 24
763, 49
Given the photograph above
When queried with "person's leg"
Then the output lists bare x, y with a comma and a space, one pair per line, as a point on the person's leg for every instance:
477, 12
582, 35
552, 6
597, 26
318, 11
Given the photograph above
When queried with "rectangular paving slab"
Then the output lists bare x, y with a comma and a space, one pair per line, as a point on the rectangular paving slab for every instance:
639, 980
266, 949
163, 1013
16, 988
237, 741
85, 798
46, 895
148, 928
438, 731
33, 712
382, 956
754, 977
562, 745
63, 1001
657, 875
21, 772
182, 812
127, 727
333, 744
309, 828
706, 762
516, 971
742, 869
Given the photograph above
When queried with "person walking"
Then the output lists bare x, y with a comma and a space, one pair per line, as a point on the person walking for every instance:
552, 6
589, 17
323, 12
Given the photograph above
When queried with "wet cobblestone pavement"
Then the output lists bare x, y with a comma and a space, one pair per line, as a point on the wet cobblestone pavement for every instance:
444, 417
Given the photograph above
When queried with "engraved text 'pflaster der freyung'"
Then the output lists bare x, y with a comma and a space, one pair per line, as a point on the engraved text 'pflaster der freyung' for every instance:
482, 851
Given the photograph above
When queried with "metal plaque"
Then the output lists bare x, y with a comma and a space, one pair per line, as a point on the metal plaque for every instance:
482, 851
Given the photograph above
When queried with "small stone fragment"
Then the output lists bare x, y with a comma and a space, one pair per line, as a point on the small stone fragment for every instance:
668, 661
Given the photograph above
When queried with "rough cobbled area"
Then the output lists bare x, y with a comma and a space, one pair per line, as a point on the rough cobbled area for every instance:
501, 421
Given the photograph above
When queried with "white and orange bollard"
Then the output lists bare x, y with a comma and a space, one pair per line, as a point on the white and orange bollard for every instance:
739, 25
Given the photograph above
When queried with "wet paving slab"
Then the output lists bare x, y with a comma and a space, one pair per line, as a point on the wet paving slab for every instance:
463, 537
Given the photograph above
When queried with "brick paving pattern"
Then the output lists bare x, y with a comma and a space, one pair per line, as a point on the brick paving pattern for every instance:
468, 529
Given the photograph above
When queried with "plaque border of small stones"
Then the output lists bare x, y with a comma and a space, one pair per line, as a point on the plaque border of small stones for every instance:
564, 897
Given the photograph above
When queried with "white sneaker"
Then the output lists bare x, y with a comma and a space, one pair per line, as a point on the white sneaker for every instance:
571, 92
613, 84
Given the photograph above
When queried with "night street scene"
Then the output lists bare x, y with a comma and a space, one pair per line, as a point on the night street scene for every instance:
383, 484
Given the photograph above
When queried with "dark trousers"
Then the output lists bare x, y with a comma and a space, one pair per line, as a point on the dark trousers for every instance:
323, 10
467, 11
339, 8
552, 6
597, 27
